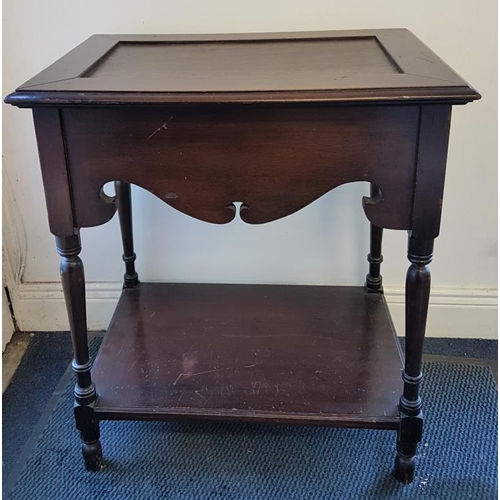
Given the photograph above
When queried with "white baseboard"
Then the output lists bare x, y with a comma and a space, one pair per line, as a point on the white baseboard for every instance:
453, 313
456, 313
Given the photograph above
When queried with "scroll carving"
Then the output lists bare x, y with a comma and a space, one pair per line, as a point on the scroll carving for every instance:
273, 160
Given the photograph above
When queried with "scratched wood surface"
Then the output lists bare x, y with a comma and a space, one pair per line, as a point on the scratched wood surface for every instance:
332, 66
289, 354
273, 160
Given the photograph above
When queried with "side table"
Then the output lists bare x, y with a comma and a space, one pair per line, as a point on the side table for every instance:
272, 121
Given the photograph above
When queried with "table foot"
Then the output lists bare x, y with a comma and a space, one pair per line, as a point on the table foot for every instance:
404, 469
92, 455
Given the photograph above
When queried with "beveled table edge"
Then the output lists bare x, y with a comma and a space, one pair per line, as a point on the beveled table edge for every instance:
31, 99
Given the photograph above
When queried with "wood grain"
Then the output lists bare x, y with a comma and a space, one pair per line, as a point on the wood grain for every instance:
288, 354
274, 160
246, 66
343, 66
430, 172
52, 155
273, 121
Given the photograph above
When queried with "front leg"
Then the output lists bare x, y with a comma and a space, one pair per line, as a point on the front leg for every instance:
418, 282
73, 281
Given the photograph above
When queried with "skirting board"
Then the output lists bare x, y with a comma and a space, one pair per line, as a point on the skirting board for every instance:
456, 313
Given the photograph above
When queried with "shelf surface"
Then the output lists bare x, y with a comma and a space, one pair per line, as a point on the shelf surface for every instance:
270, 353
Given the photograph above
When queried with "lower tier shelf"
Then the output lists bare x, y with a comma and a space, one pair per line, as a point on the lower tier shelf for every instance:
269, 353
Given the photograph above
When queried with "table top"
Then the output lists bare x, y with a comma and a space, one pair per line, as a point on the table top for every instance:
334, 66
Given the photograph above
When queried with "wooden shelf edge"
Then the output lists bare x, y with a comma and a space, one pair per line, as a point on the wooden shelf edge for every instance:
169, 414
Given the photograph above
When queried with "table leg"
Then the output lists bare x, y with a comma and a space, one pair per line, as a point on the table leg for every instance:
73, 281
373, 278
124, 205
418, 283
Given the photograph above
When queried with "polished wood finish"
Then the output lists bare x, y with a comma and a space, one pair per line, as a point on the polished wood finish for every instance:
56, 178
374, 278
201, 160
271, 353
432, 151
418, 286
273, 122
245, 65
73, 282
124, 207
390, 65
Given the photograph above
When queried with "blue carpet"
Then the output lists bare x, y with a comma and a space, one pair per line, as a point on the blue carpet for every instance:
156, 460
49, 354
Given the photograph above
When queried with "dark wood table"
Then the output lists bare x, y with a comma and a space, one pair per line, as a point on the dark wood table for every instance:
273, 121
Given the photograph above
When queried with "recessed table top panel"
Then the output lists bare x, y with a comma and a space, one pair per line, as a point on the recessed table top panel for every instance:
245, 65
332, 66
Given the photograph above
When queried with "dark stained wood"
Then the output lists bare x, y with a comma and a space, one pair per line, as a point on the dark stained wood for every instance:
124, 204
364, 65
28, 99
289, 354
74, 63
246, 66
273, 121
52, 154
200, 160
73, 282
418, 286
432, 151
374, 278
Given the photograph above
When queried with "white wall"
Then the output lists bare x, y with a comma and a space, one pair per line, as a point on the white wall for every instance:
325, 243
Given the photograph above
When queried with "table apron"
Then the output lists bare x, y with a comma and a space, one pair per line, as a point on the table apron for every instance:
275, 160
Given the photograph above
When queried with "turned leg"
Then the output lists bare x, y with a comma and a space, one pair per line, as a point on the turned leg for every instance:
373, 278
73, 282
124, 204
418, 283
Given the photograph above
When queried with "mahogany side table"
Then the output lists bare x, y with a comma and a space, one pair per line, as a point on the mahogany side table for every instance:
272, 121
